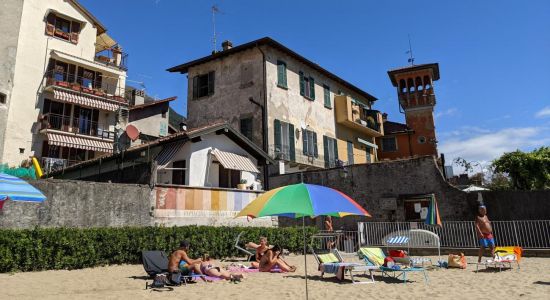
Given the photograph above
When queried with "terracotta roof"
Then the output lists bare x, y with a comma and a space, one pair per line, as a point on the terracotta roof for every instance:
147, 104
395, 128
433, 66
184, 68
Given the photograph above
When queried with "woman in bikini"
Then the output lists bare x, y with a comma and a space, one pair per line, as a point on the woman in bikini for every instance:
207, 267
260, 251
271, 259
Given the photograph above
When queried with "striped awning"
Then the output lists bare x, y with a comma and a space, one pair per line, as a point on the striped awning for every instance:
234, 161
79, 142
167, 154
84, 100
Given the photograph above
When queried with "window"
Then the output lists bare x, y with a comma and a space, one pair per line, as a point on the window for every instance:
307, 86
246, 127
331, 151
310, 143
203, 85
326, 89
178, 172
89, 79
2, 98
416, 209
284, 148
389, 144
421, 139
350, 153
62, 25
281, 74
62, 28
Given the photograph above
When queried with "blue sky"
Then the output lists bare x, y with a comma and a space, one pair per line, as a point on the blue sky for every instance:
494, 56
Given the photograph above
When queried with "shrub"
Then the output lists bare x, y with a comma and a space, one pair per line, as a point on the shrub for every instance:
75, 248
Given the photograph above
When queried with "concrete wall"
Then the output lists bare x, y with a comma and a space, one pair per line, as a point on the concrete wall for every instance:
82, 204
10, 20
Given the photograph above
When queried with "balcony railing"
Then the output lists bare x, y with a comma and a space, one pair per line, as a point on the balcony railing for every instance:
86, 86
282, 152
52, 164
358, 116
82, 126
113, 58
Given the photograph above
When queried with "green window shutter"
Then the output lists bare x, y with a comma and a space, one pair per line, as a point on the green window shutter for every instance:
312, 88
335, 149
327, 96
277, 129
304, 142
281, 73
211, 83
195, 87
302, 84
291, 147
315, 150
325, 148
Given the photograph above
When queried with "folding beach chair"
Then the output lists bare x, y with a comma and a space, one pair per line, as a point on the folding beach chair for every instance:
375, 257
414, 238
156, 262
504, 258
250, 253
330, 261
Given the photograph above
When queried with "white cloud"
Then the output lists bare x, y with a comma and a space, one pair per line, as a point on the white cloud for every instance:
483, 147
449, 112
543, 113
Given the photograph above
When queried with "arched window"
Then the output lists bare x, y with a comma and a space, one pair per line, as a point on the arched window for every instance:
427, 83
419, 86
410, 83
402, 86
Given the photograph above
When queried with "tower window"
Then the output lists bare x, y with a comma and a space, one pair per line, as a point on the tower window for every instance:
402, 86
421, 139
410, 84
427, 83
419, 86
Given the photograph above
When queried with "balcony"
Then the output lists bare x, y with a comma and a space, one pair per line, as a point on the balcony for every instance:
358, 117
113, 58
82, 126
301, 160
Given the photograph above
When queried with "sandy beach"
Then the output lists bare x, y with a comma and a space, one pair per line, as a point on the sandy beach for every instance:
128, 282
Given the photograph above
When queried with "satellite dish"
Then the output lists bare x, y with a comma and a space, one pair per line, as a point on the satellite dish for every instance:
132, 132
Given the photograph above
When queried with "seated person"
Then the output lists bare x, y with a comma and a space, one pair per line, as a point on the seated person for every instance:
260, 250
208, 267
271, 259
180, 264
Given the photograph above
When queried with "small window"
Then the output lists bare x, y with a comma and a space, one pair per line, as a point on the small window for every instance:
281, 74
203, 85
2, 98
63, 25
246, 127
389, 144
331, 151
178, 172
421, 139
309, 143
326, 90
307, 86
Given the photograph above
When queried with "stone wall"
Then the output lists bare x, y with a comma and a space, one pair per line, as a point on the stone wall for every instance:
81, 204
516, 205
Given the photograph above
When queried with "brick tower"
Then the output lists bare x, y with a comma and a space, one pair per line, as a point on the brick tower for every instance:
417, 98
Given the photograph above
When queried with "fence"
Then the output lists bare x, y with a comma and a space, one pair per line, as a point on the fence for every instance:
533, 234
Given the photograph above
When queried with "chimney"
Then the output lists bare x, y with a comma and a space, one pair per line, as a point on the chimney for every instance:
138, 97
117, 55
384, 117
226, 45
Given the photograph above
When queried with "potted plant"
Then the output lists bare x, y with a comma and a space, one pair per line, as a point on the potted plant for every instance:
75, 86
63, 84
87, 90
242, 185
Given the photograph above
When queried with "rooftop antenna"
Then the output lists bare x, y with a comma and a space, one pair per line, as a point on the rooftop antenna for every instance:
215, 10
410, 52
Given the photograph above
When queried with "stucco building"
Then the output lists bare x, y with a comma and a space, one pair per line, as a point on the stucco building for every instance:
284, 103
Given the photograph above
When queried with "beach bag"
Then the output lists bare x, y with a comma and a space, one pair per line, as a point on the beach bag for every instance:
398, 253
159, 281
457, 261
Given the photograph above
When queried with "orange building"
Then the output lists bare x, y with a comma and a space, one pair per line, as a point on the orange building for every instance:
416, 97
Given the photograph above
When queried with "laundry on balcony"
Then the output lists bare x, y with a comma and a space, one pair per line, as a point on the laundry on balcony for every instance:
79, 142
87, 101
234, 161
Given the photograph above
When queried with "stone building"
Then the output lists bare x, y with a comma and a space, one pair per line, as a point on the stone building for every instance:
283, 102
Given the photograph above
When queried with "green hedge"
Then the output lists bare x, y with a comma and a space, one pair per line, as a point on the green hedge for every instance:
75, 248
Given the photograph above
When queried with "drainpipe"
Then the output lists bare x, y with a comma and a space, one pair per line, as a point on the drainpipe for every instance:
264, 116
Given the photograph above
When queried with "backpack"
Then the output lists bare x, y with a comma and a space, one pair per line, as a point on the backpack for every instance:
159, 281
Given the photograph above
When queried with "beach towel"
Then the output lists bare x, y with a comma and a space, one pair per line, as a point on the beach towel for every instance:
375, 256
336, 268
509, 253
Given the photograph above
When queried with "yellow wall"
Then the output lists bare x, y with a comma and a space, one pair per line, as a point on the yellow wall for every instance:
344, 135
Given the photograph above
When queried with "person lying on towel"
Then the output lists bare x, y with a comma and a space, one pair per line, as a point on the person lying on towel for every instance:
209, 268
272, 260
180, 264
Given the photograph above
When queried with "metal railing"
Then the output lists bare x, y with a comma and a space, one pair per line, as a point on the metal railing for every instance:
529, 234
84, 85
76, 125
52, 164
280, 152
345, 241
109, 57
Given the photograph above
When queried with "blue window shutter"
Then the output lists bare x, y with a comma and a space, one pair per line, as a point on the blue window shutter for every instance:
291, 147
312, 88
302, 84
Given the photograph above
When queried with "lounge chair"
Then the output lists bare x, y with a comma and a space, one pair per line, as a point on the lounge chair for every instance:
250, 253
330, 261
504, 258
156, 262
414, 238
375, 257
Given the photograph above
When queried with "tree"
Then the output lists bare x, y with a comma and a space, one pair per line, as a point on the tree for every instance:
527, 171
499, 182
467, 165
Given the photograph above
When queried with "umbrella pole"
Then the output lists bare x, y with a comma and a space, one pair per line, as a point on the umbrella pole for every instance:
305, 252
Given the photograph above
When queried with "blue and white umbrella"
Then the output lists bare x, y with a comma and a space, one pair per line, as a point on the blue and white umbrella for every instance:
17, 189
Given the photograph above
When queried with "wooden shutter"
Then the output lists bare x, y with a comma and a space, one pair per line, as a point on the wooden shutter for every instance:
302, 84
195, 87
75, 31
335, 150
312, 88
277, 127
291, 147
280, 73
304, 142
325, 148
315, 150
327, 96
50, 24
211, 83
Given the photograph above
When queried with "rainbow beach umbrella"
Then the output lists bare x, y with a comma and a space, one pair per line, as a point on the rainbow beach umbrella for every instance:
16, 189
433, 213
303, 200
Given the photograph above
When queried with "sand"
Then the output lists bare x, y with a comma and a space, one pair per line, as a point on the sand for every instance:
128, 282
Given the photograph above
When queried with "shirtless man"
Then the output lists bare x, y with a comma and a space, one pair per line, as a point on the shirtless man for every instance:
271, 259
484, 232
260, 250
180, 264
